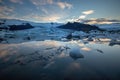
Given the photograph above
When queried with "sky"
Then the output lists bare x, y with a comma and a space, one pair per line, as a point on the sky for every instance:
90, 11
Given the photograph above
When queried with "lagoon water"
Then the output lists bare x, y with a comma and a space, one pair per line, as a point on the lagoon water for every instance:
56, 60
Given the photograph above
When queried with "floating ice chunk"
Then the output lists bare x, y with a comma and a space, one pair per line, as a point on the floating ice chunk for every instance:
90, 39
75, 53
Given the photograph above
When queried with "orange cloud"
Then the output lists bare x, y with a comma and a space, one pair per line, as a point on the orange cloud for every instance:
100, 21
53, 18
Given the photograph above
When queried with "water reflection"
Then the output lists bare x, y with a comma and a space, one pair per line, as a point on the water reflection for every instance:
86, 49
99, 50
51, 60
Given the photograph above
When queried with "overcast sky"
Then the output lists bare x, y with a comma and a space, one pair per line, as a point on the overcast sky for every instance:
60, 10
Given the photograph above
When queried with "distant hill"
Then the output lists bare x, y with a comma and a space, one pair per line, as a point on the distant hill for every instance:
79, 27
20, 27
13, 24
35, 24
18, 22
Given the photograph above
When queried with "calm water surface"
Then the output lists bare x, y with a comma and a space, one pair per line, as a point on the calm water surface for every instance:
55, 60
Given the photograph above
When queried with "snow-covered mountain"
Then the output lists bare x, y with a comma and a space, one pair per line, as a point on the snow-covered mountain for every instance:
19, 22
79, 27
114, 26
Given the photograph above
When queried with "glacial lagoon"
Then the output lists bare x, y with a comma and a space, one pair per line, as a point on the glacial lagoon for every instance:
59, 60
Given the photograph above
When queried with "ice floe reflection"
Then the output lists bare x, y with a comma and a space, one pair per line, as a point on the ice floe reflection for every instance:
67, 60
40, 50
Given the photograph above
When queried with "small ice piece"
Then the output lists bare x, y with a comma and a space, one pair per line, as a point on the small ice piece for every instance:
90, 39
75, 53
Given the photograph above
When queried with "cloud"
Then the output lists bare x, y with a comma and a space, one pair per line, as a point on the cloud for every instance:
85, 14
64, 5
50, 1
42, 2
101, 21
1, 1
88, 12
45, 10
52, 18
81, 17
5, 9
17, 1
38, 18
